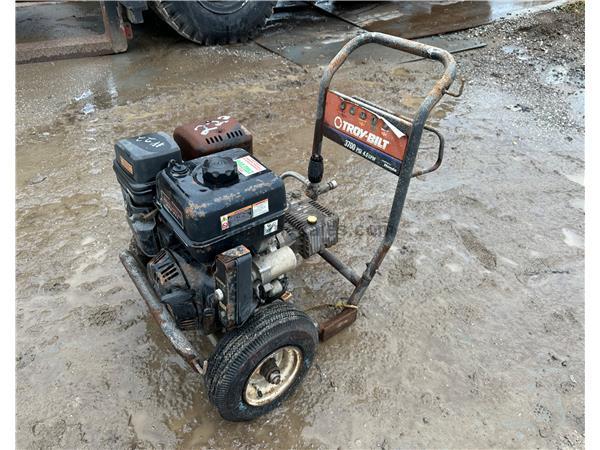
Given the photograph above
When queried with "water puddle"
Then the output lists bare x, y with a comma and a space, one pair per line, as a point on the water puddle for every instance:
576, 178
557, 75
572, 239
578, 203
519, 52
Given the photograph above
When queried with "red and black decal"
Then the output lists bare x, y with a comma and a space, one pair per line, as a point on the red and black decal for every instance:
354, 126
170, 206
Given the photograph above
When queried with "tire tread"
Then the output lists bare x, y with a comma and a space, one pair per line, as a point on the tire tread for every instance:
240, 344
176, 15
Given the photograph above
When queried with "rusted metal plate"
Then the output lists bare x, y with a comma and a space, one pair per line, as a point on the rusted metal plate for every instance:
92, 28
333, 326
415, 19
306, 36
313, 37
232, 254
317, 43
44, 21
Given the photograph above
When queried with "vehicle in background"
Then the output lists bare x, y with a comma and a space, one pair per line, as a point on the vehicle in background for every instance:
214, 22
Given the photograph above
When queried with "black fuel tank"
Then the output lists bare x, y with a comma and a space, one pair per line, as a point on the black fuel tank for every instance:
220, 201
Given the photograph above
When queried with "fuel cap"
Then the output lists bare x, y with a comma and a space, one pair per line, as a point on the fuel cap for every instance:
219, 170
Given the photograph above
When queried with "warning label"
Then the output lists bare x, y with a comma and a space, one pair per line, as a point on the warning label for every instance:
172, 208
247, 166
244, 214
271, 227
126, 165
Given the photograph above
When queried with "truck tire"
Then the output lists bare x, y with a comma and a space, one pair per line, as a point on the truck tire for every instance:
215, 22
254, 368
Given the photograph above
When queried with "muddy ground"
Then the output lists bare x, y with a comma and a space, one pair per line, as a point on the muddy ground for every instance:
471, 336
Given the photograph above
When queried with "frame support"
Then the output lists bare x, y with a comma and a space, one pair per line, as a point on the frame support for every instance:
440, 88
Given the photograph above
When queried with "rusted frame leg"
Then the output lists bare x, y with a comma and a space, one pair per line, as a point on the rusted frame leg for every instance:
178, 340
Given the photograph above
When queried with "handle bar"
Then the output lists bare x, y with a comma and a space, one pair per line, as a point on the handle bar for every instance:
315, 170
315, 167
435, 131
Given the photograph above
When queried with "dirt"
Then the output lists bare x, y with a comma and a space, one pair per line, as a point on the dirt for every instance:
472, 334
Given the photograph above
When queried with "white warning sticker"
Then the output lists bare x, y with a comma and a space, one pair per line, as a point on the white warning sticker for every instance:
244, 214
270, 227
260, 208
247, 166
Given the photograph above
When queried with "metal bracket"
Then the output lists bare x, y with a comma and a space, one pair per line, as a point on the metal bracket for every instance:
337, 323
113, 40
201, 369
460, 90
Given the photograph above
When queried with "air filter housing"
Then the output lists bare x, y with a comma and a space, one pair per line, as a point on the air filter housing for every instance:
137, 161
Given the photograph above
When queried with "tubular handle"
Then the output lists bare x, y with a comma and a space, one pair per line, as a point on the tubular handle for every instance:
406, 120
405, 45
412, 146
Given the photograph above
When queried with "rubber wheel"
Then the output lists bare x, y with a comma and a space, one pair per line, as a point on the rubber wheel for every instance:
274, 329
215, 22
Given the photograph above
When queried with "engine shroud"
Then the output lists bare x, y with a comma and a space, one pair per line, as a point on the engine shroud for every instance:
218, 202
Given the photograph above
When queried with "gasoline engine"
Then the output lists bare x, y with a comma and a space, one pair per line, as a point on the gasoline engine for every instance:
213, 224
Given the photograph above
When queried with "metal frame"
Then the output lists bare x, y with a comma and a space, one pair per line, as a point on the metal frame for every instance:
180, 343
332, 326
328, 328
113, 40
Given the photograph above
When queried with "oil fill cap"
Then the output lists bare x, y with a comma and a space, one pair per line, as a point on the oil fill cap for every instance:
311, 219
179, 170
219, 170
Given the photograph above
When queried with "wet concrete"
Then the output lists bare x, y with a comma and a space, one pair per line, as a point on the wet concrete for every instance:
414, 19
472, 334
57, 21
291, 34
300, 46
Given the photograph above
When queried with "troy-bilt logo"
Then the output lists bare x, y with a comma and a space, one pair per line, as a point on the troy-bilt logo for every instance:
355, 130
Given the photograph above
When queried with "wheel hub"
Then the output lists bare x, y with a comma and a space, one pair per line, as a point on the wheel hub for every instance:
273, 376
270, 371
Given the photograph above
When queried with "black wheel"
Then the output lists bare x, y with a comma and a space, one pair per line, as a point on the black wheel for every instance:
215, 22
257, 366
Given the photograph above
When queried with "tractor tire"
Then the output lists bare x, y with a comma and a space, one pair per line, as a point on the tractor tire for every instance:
254, 368
215, 22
